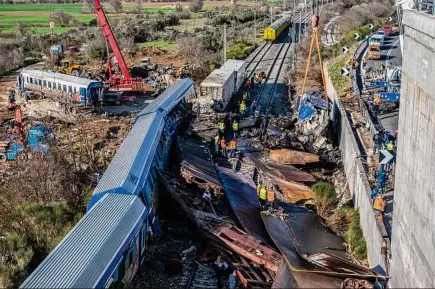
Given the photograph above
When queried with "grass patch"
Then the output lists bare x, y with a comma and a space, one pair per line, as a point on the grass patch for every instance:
157, 43
239, 51
355, 239
341, 83
325, 190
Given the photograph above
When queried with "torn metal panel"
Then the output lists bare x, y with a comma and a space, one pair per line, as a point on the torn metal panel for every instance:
284, 278
242, 195
310, 234
292, 157
282, 239
334, 263
279, 171
247, 246
293, 241
197, 165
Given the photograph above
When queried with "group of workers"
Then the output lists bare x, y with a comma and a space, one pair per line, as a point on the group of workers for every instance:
222, 146
266, 196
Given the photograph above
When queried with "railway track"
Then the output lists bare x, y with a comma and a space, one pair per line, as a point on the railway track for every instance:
272, 95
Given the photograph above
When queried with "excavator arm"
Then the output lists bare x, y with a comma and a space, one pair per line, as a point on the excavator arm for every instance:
107, 30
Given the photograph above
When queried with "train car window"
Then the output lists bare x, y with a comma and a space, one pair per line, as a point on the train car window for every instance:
69, 89
59, 86
39, 82
44, 83
49, 84
64, 87
82, 91
27, 79
75, 90
31, 80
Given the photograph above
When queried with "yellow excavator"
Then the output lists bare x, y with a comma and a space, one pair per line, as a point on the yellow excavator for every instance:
58, 52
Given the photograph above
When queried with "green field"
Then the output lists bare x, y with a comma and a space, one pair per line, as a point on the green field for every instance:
38, 15
157, 43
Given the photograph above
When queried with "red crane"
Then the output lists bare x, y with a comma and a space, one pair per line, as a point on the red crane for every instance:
116, 83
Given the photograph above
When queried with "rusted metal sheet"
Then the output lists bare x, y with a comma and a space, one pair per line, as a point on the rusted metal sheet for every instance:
286, 173
197, 165
292, 157
294, 192
250, 274
248, 246
242, 196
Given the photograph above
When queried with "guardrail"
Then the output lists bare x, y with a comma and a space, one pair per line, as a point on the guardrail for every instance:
427, 6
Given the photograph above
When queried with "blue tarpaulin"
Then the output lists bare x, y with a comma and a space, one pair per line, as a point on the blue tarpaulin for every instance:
390, 96
375, 84
306, 110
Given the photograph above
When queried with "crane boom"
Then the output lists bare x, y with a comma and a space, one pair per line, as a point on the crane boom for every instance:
107, 30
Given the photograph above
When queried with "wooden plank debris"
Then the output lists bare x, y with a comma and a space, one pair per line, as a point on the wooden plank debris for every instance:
292, 157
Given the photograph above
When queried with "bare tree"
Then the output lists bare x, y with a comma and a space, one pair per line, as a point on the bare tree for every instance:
90, 5
139, 6
22, 29
117, 6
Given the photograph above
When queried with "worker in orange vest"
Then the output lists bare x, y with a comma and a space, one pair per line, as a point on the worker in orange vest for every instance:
376, 103
270, 197
224, 146
232, 148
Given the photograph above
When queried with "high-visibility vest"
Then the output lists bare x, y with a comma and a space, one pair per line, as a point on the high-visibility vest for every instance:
377, 99
390, 146
223, 143
263, 194
221, 125
258, 189
232, 145
235, 126
379, 204
270, 196
242, 106
216, 139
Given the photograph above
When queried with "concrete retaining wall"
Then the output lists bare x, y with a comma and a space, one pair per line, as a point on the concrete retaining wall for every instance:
373, 229
413, 237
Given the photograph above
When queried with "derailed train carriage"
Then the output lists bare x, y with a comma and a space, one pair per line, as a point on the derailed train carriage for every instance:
77, 89
276, 28
107, 247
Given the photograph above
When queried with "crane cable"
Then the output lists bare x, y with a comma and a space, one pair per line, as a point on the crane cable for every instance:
314, 37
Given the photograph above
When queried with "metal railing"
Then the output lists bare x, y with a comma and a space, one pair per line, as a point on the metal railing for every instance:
427, 6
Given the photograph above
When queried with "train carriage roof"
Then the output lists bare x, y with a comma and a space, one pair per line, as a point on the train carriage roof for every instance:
130, 166
54, 76
93, 247
166, 101
275, 25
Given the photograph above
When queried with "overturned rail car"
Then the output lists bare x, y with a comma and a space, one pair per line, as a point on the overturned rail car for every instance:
106, 248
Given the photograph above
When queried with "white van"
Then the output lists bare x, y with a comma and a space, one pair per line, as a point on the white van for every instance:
376, 40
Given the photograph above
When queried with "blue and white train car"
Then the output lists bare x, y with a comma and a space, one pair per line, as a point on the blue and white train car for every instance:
106, 248
103, 250
78, 89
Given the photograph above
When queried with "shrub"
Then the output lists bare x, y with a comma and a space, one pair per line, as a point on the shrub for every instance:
178, 8
185, 14
239, 50
325, 190
196, 6
63, 19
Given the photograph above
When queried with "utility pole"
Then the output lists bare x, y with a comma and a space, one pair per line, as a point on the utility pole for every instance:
225, 42
271, 13
300, 25
255, 26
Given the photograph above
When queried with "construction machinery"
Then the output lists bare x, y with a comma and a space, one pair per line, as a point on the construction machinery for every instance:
306, 101
116, 83
58, 53
13, 147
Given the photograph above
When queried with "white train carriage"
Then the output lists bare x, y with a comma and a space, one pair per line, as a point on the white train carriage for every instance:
82, 90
